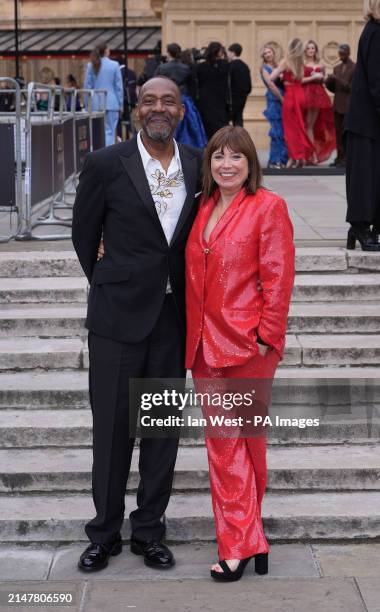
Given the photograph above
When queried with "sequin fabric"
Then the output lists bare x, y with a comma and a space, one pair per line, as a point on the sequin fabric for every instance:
239, 285
237, 466
240, 282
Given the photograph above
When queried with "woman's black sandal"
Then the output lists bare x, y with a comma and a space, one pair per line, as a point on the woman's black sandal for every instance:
229, 575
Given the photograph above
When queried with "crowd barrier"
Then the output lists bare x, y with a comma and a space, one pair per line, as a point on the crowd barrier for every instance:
52, 140
11, 200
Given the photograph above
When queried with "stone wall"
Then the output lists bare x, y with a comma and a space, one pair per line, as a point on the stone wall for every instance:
76, 13
70, 14
253, 23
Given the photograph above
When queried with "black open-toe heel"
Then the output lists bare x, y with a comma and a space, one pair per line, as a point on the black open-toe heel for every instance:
229, 575
261, 564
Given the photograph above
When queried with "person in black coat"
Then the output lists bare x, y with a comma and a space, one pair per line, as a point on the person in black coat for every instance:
241, 84
363, 138
136, 311
190, 131
176, 70
213, 92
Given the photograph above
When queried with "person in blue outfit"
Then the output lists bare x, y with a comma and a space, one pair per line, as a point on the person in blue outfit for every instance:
104, 73
190, 130
278, 154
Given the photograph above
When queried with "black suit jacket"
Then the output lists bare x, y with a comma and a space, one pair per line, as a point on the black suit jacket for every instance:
363, 115
241, 84
128, 285
180, 73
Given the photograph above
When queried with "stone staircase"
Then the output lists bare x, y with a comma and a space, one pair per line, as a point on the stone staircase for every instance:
324, 483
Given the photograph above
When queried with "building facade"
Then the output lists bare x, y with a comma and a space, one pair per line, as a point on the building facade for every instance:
46, 44
254, 23
191, 23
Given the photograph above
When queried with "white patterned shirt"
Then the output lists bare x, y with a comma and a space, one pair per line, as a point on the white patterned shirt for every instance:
167, 188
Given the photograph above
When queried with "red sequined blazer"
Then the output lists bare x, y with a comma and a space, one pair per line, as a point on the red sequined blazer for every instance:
239, 284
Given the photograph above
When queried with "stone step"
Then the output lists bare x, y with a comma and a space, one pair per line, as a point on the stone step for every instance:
48, 321
289, 517
67, 320
23, 353
336, 287
308, 287
39, 264
73, 428
334, 350
52, 289
336, 317
65, 263
30, 353
329, 386
65, 470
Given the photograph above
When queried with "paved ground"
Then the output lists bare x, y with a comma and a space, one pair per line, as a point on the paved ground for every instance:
321, 577
317, 207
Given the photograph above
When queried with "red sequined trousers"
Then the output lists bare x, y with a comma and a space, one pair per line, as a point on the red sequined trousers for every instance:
237, 466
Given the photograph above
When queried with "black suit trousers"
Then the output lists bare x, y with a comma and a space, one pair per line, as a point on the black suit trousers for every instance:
112, 364
363, 179
339, 131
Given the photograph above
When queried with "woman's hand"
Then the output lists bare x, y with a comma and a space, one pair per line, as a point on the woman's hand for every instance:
100, 250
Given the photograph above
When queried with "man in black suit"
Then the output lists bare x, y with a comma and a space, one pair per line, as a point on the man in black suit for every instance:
138, 195
240, 83
363, 140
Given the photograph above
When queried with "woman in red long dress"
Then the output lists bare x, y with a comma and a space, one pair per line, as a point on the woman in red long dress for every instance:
319, 118
300, 147
239, 279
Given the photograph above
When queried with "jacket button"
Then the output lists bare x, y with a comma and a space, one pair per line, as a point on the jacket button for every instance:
206, 251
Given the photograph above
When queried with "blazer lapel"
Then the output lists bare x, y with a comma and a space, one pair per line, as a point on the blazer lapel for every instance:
133, 165
189, 168
226, 217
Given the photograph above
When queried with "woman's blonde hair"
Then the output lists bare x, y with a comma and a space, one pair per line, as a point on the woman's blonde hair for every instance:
294, 57
271, 47
371, 8
312, 42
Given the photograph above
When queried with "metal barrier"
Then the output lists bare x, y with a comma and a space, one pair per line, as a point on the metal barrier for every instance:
52, 142
11, 197
57, 141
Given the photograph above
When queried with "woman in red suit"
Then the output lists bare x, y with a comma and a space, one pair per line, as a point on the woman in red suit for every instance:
239, 275
319, 116
291, 68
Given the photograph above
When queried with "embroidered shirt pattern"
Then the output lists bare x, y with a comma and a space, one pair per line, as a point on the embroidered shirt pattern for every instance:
162, 188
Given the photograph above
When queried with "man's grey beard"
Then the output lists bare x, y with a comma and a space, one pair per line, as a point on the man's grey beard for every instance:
160, 136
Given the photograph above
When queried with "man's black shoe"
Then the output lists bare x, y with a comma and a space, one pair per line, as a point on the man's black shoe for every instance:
155, 553
96, 556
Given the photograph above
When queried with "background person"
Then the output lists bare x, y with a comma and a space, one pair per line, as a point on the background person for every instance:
319, 118
130, 99
300, 147
363, 138
278, 153
104, 73
340, 83
7, 99
213, 90
241, 240
150, 65
240, 83
190, 130
72, 83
